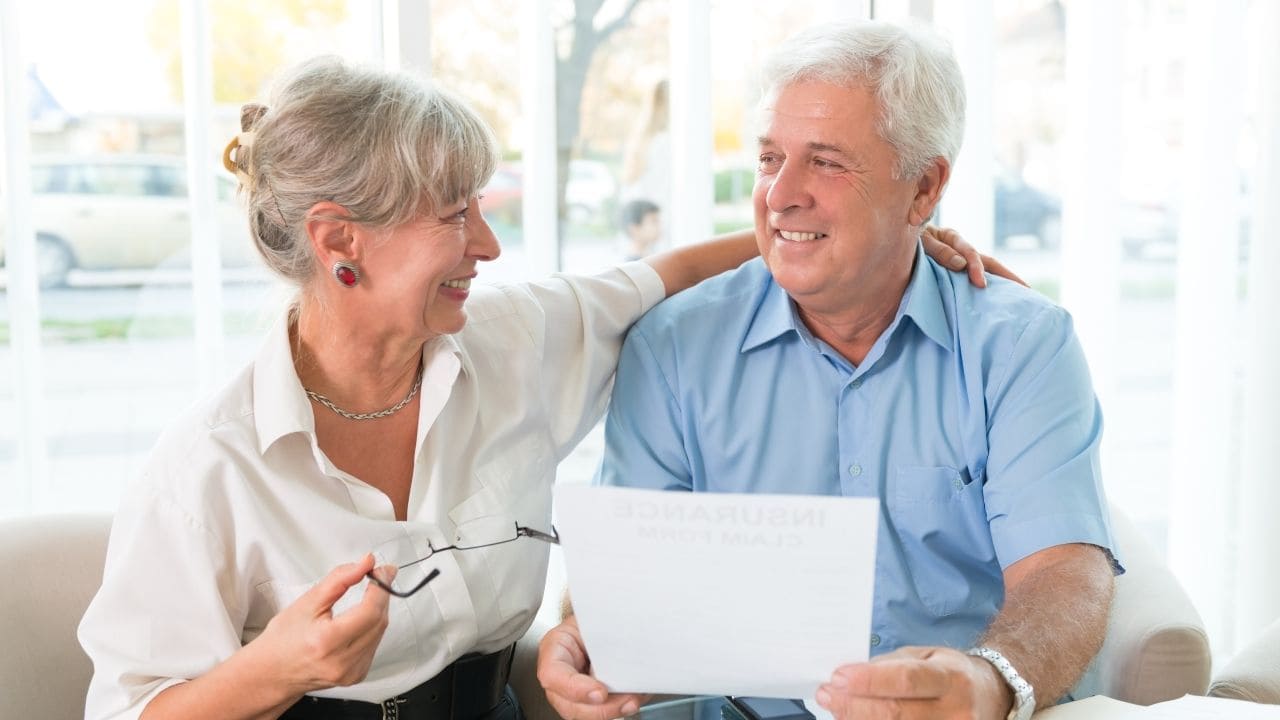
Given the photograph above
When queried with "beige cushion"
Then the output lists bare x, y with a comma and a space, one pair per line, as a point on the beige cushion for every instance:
524, 675
1156, 647
1253, 674
52, 566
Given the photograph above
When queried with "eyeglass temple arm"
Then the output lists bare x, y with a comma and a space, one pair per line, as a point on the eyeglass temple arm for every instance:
402, 593
553, 537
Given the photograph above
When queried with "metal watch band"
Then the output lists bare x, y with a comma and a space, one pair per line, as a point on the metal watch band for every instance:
1024, 696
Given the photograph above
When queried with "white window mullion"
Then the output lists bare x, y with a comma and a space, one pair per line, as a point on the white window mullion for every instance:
406, 36
22, 492
1091, 148
206, 257
846, 10
1204, 331
969, 202
691, 136
538, 98
1257, 595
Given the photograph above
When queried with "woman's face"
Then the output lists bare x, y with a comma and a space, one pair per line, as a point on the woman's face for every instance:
419, 273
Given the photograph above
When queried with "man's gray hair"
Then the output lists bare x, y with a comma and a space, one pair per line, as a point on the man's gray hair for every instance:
386, 146
912, 71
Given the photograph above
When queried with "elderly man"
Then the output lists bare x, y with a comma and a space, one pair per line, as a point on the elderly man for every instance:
846, 362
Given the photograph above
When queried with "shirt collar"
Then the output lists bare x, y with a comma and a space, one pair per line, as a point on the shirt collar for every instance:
774, 317
922, 302
280, 404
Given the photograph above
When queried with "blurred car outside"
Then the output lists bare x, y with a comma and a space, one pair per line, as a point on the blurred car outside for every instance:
590, 190
589, 193
1025, 211
123, 212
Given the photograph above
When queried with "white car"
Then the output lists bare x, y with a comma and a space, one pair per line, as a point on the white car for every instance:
111, 212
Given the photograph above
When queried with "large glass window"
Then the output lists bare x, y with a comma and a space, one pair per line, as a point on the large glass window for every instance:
112, 215
124, 345
11, 485
481, 71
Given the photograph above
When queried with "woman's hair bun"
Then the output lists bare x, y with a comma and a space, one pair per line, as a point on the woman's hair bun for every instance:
250, 114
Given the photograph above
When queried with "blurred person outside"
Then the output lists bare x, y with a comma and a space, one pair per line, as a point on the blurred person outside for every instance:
646, 160
641, 222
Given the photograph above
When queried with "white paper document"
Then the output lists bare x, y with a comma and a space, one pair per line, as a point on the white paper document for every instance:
715, 594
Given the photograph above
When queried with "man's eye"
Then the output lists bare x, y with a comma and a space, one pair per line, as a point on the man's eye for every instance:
824, 163
768, 161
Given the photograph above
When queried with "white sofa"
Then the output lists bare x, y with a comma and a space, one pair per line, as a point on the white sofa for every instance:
52, 565
1156, 646
1254, 673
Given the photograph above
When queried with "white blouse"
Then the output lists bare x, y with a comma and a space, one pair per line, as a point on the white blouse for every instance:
238, 511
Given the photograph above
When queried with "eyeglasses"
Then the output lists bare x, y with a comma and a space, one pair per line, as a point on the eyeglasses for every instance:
520, 531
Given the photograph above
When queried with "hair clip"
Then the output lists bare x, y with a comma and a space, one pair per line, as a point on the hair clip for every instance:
240, 140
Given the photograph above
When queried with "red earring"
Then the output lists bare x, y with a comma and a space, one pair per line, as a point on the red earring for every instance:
346, 273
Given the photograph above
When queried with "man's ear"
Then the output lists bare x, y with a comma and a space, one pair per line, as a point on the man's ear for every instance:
929, 190
332, 233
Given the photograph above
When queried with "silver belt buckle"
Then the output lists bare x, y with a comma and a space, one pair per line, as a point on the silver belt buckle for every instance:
391, 708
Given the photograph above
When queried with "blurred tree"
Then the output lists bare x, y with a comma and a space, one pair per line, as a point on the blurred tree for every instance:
249, 40
480, 69
579, 39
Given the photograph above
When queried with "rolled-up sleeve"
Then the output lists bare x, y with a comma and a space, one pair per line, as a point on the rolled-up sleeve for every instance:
644, 443
165, 612
1043, 478
579, 329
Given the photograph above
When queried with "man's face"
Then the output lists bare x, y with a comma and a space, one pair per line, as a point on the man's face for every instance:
830, 218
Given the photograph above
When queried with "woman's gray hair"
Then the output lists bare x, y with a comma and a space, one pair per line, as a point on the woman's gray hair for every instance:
912, 71
386, 146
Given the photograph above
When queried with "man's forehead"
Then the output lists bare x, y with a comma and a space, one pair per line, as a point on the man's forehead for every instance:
817, 102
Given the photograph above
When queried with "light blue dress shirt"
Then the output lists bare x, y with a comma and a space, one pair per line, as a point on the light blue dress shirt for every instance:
972, 419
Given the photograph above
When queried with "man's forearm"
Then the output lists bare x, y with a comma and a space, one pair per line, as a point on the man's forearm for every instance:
1054, 620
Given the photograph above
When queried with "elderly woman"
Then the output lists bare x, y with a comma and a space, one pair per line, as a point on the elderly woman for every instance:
396, 415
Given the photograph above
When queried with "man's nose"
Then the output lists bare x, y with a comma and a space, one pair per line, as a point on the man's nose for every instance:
789, 189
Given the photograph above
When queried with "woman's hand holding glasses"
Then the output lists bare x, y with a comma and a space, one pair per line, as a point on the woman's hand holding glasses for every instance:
308, 647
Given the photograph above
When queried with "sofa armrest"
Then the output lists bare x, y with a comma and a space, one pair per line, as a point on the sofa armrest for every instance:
1156, 646
1254, 673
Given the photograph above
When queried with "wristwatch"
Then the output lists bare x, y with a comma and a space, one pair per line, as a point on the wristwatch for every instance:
1024, 696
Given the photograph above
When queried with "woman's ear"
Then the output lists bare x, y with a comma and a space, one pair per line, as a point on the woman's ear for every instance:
929, 191
332, 233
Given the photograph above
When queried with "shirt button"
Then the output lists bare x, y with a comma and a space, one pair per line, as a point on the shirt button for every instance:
857, 383
875, 640
855, 469
957, 484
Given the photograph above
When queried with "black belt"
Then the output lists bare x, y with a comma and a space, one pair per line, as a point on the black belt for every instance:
469, 689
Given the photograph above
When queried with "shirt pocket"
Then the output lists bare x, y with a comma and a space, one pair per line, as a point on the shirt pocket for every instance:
938, 518
515, 491
396, 659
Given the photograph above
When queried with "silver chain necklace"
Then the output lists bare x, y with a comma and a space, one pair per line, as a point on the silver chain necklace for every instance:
369, 415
